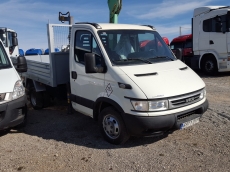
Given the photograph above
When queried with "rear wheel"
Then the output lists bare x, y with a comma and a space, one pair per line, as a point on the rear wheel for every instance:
112, 126
209, 66
36, 99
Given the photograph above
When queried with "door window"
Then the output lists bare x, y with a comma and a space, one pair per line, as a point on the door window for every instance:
86, 43
4, 61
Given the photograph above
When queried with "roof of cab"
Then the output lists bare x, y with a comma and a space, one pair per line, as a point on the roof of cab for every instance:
206, 9
110, 26
182, 38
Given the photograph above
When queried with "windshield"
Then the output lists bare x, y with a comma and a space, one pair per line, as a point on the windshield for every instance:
132, 47
188, 44
176, 45
4, 61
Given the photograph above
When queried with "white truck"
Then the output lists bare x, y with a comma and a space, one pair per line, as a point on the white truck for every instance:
10, 41
129, 89
211, 39
13, 108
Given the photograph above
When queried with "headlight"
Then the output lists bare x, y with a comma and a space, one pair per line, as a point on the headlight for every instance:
158, 105
150, 105
18, 91
203, 94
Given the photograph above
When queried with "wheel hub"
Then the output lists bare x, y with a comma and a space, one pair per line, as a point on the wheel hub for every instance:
111, 127
209, 66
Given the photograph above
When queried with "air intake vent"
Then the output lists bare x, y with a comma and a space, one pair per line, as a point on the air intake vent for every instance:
145, 74
183, 68
183, 116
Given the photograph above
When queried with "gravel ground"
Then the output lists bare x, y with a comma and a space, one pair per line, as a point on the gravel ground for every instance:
54, 141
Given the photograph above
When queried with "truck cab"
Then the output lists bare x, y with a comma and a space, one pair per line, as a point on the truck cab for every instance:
128, 89
10, 41
211, 38
184, 42
13, 109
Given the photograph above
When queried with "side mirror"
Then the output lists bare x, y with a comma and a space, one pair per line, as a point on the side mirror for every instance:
90, 64
21, 64
14, 34
2, 31
14, 41
178, 53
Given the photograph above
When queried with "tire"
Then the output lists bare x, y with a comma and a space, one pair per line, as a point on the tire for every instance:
112, 126
209, 66
36, 99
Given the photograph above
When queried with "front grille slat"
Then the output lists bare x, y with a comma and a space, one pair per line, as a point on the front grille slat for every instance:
181, 101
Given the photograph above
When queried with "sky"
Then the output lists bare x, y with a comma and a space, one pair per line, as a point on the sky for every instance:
30, 17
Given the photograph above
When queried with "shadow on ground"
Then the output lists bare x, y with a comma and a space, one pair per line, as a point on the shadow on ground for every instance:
54, 123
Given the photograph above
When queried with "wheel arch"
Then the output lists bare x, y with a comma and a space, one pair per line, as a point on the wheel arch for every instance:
103, 102
206, 56
37, 85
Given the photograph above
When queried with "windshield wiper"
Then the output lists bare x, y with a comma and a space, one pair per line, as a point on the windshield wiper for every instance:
143, 60
159, 57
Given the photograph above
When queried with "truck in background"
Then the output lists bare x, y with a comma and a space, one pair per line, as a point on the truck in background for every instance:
183, 42
210, 40
10, 41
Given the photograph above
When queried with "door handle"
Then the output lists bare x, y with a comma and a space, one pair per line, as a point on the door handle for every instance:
211, 42
74, 75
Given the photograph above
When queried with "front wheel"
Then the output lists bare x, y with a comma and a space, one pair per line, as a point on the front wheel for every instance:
112, 126
209, 66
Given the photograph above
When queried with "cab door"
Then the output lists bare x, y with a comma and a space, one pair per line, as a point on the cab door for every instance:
85, 88
218, 36
228, 33
203, 39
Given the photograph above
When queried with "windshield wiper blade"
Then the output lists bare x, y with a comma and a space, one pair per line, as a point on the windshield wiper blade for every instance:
143, 60
160, 57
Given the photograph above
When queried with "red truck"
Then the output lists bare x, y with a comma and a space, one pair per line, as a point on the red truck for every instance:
183, 42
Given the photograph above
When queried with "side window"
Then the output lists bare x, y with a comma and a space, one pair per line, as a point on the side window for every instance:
228, 21
207, 25
216, 24
4, 62
86, 43
96, 49
188, 44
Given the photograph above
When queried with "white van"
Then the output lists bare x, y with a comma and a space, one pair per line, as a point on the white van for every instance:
13, 107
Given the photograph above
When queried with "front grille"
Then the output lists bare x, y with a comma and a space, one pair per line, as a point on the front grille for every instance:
185, 100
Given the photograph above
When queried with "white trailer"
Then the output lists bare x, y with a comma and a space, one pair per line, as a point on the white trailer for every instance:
211, 39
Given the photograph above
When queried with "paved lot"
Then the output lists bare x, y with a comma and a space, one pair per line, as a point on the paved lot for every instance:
54, 141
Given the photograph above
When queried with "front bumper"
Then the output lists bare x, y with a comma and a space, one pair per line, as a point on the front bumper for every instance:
12, 113
151, 125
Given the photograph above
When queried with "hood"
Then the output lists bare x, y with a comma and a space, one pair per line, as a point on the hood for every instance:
8, 78
165, 79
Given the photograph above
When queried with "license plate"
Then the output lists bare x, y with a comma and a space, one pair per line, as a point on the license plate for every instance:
189, 123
